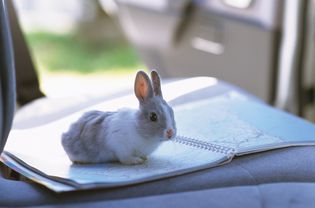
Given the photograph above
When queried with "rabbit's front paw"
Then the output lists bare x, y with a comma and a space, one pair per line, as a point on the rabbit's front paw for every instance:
132, 160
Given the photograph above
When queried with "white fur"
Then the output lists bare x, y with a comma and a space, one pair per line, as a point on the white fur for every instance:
168, 121
127, 145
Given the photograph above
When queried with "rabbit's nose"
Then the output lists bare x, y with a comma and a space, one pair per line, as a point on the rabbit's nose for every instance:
169, 133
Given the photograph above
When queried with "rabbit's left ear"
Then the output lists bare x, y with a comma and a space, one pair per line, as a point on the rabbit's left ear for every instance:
156, 83
143, 87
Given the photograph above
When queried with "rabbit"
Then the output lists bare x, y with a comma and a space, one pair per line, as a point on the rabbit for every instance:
126, 135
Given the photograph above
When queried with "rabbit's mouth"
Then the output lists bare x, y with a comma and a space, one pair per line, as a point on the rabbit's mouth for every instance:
163, 139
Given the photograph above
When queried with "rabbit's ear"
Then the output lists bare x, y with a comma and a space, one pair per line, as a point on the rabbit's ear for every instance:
143, 88
156, 83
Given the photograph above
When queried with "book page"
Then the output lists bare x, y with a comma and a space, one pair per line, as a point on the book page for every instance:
235, 121
41, 149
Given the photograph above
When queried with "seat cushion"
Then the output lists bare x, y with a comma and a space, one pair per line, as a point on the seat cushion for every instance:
293, 164
266, 195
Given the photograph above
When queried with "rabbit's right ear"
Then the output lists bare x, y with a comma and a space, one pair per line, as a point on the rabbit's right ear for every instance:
156, 83
143, 88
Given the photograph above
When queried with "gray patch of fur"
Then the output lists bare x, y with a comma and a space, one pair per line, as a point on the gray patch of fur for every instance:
82, 142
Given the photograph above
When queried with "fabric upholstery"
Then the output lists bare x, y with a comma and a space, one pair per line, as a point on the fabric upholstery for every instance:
257, 196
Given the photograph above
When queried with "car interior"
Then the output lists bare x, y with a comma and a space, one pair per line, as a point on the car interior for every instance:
210, 47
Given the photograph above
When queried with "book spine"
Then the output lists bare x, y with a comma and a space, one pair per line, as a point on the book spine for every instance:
205, 145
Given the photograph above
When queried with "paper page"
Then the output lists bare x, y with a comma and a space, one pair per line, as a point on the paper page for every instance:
43, 150
56, 186
235, 121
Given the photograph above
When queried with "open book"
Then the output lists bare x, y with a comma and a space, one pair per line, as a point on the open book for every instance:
210, 132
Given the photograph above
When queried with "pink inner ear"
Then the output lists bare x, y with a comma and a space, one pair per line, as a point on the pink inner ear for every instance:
143, 88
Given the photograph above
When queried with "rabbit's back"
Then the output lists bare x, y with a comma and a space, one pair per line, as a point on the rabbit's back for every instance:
85, 139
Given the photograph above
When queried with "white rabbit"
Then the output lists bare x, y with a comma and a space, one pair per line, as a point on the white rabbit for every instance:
127, 135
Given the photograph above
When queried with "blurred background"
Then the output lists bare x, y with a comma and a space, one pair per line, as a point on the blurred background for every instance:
76, 46
263, 46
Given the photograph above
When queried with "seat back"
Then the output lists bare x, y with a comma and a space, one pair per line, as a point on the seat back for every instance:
7, 76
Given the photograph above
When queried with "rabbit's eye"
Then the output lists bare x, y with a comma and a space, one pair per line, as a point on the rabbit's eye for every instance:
153, 117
